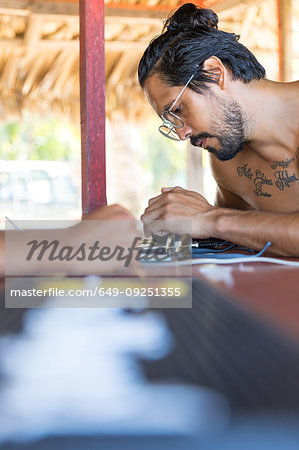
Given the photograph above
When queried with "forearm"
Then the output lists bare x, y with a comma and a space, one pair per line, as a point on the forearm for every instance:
17, 249
254, 229
89, 247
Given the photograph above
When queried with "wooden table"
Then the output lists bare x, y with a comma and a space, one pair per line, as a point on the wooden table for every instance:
268, 290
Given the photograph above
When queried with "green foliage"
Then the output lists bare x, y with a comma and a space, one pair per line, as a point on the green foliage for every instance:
37, 138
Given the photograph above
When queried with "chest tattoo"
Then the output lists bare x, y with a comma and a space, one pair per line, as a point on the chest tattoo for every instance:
259, 181
283, 179
284, 164
245, 170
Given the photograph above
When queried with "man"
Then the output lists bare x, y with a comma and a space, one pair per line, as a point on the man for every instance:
209, 88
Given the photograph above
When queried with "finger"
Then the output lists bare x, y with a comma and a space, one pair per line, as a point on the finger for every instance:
173, 195
158, 203
162, 227
168, 201
150, 215
154, 199
173, 211
171, 188
179, 190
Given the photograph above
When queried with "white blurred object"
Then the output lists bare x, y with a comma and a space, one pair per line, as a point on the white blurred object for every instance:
39, 190
75, 371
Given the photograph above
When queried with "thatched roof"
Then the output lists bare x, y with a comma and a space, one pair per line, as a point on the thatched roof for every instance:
39, 49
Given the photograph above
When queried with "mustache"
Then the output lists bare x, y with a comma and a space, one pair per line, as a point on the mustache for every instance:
195, 139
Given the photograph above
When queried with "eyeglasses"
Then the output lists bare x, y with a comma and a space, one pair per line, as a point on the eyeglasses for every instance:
172, 122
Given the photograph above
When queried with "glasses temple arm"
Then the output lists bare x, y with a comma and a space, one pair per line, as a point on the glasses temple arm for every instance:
182, 91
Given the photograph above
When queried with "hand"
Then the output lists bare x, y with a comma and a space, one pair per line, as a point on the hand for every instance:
114, 227
113, 212
178, 208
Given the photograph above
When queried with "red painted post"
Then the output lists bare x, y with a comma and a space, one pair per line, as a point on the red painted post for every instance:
92, 100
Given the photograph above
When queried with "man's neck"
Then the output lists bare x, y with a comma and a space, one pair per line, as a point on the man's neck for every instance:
271, 110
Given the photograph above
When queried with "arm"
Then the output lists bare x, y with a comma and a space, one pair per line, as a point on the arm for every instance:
109, 226
251, 228
248, 228
254, 229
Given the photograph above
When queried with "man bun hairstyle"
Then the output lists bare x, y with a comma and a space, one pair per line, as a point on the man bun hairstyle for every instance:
190, 17
189, 37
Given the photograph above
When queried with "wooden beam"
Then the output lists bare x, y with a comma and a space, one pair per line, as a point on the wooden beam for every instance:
44, 44
55, 44
92, 103
113, 19
225, 5
32, 34
285, 39
68, 9
152, 14
40, 7
247, 24
125, 46
119, 11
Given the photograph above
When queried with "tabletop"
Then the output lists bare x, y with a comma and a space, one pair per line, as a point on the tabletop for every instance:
268, 290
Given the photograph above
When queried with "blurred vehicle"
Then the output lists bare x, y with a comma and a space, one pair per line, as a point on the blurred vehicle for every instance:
39, 190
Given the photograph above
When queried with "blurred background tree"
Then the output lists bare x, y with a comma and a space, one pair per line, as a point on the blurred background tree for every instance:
163, 160
39, 138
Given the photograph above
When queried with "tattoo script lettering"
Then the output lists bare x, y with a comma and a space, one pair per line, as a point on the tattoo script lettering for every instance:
244, 170
283, 164
283, 179
259, 181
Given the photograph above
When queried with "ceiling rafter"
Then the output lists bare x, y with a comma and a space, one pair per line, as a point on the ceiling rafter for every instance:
133, 12
59, 44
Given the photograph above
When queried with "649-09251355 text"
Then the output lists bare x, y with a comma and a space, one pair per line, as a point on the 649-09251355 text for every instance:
99, 292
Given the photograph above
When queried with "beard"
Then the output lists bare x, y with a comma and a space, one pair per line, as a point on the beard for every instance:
229, 130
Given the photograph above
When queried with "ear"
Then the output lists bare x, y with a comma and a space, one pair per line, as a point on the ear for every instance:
216, 69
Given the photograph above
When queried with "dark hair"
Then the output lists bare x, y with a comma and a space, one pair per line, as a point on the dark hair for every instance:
189, 37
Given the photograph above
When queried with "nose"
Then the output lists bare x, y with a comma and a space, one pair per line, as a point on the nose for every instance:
184, 133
